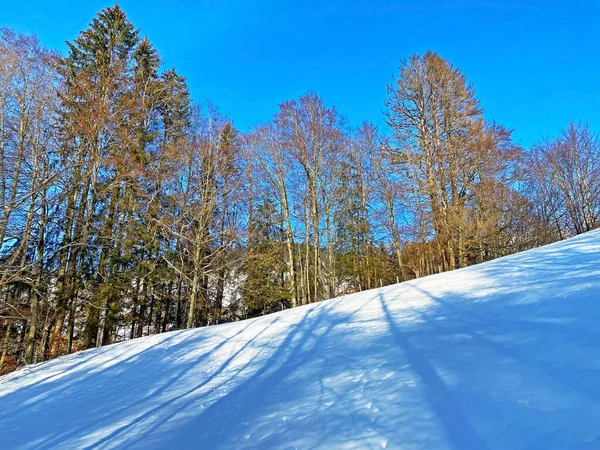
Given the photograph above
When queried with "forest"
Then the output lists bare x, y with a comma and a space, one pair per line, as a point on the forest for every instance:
129, 209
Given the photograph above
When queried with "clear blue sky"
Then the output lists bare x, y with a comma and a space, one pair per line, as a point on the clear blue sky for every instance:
534, 64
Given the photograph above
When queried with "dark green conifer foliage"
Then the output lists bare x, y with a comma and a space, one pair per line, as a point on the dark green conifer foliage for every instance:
265, 288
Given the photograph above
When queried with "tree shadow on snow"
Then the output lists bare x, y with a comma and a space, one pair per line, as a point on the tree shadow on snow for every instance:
498, 356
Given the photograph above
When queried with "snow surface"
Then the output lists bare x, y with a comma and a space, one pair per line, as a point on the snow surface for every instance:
501, 355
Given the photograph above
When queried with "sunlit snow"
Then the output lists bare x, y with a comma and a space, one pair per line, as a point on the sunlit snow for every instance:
502, 355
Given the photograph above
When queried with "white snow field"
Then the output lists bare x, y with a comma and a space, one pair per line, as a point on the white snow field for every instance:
502, 355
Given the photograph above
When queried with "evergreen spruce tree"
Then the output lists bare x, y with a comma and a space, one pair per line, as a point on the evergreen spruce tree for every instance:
265, 289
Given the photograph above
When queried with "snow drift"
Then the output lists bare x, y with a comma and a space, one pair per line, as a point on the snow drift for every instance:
505, 354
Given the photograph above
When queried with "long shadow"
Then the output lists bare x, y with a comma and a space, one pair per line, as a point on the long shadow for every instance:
63, 380
222, 406
136, 402
60, 400
571, 379
491, 311
343, 423
254, 388
254, 391
142, 417
76, 360
458, 430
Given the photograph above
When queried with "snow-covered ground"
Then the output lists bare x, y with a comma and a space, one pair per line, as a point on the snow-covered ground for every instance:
505, 355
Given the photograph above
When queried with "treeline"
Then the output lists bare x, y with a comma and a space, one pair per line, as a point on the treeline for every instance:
128, 209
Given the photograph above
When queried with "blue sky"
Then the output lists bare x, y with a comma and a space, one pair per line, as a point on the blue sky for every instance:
534, 64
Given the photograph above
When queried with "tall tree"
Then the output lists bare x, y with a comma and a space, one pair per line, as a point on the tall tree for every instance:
28, 171
566, 177
443, 148
313, 134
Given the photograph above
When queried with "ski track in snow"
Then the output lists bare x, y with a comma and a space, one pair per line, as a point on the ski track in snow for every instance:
501, 355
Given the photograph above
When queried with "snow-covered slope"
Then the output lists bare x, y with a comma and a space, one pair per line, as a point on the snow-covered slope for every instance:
500, 355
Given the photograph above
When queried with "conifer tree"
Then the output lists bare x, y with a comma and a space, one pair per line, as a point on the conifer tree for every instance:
265, 288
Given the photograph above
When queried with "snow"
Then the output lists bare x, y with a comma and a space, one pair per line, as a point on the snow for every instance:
501, 355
